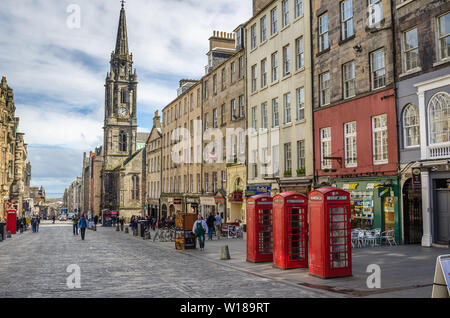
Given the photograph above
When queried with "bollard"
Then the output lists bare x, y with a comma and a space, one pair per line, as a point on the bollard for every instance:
8, 235
225, 253
126, 230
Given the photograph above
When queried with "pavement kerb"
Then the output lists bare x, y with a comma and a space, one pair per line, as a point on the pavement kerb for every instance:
223, 263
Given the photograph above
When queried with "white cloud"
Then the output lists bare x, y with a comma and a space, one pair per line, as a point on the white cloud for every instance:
58, 73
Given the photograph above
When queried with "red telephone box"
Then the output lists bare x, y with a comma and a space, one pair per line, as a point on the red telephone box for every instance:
290, 230
259, 229
11, 221
330, 246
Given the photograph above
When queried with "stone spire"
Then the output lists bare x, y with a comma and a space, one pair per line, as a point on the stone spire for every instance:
122, 37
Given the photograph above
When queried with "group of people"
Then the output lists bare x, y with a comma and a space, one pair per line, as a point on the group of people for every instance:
201, 227
21, 224
81, 223
35, 222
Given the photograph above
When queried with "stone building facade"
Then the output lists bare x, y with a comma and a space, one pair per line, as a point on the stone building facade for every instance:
181, 151
153, 172
354, 107
15, 172
224, 109
422, 37
279, 114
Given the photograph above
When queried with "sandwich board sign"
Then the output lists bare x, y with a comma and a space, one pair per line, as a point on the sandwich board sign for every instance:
441, 284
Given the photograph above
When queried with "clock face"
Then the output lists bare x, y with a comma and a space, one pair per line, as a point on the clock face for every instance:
123, 112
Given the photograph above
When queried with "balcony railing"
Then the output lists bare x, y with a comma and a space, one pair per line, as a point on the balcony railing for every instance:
439, 151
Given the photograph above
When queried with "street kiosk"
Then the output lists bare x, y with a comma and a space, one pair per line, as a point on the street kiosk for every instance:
290, 230
184, 237
259, 229
330, 248
11, 221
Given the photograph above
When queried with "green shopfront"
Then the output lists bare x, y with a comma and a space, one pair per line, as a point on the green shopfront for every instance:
375, 202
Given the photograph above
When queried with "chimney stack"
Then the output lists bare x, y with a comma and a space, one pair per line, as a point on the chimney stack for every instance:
258, 5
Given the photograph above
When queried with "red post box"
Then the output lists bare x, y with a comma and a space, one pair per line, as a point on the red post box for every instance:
11, 221
259, 229
330, 246
290, 230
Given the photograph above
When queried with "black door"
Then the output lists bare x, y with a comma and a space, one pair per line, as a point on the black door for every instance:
443, 216
412, 214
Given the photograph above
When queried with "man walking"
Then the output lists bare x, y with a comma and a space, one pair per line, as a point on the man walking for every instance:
210, 222
83, 226
75, 224
199, 229
218, 225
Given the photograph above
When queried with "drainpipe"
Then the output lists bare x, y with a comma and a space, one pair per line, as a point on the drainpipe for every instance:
315, 177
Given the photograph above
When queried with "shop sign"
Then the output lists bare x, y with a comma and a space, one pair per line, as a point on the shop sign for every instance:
384, 192
253, 190
337, 198
352, 186
416, 179
370, 186
207, 201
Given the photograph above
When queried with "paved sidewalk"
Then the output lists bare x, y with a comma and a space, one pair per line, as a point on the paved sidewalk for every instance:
406, 271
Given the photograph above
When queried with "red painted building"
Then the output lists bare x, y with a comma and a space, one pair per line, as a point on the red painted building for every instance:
355, 126
360, 111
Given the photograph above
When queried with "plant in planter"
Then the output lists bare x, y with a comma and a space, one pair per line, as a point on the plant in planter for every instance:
288, 173
301, 172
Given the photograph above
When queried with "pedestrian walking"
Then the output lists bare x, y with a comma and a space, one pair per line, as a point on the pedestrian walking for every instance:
96, 220
33, 224
218, 225
122, 223
75, 224
83, 226
38, 222
210, 222
200, 229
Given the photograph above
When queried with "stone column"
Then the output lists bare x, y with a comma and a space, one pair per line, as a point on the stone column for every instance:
427, 238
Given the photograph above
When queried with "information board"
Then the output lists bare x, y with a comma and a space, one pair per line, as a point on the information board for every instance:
441, 284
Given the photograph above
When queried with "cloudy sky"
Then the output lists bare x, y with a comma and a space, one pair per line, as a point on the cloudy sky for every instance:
58, 72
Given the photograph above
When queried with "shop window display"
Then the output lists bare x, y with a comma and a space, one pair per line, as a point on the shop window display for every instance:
361, 204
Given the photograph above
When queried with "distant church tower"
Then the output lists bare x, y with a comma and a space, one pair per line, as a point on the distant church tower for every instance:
120, 128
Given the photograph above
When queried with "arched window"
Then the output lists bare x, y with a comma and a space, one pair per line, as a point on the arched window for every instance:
122, 141
411, 126
135, 188
439, 114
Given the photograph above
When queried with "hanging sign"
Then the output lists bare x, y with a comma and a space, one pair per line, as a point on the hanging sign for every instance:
416, 179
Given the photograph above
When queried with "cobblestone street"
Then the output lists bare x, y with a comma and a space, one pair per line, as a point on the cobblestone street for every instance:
119, 265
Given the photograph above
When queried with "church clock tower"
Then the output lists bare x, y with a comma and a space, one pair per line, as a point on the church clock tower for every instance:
120, 128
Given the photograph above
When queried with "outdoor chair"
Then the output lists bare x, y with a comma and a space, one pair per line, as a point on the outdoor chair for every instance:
372, 237
389, 237
355, 239
362, 238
